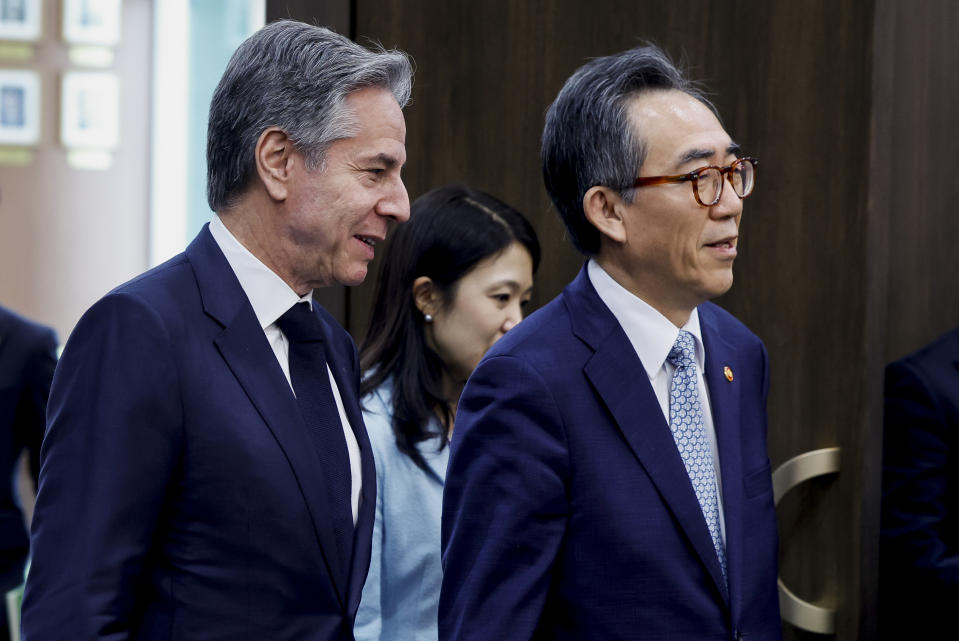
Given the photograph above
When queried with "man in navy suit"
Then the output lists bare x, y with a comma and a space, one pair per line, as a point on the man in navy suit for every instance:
608, 477
919, 535
186, 492
28, 356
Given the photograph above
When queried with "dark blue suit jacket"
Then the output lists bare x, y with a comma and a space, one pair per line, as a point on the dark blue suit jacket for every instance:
180, 494
919, 536
568, 512
27, 359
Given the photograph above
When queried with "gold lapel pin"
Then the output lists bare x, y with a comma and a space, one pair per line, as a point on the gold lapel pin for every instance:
729, 373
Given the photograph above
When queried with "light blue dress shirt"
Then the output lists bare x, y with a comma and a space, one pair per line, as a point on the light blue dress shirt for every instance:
401, 595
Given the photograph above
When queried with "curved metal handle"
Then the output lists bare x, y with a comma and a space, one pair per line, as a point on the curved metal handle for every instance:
801, 468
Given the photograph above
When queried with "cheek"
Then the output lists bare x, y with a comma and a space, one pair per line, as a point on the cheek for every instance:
471, 330
485, 320
692, 243
452, 343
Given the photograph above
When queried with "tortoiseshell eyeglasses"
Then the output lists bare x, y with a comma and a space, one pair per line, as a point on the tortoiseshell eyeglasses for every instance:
708, 181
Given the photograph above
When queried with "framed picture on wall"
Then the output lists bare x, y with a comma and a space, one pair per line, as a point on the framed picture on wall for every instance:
20, 19
91, 22
89, 110
19, 107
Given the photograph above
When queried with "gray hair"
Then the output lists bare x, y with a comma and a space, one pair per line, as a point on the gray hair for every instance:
296, 77
588, 139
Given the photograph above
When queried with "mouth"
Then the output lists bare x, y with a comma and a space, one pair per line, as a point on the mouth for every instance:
725, 246
369, 245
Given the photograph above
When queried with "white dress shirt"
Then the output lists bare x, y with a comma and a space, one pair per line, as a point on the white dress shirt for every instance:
652, 335
270, 298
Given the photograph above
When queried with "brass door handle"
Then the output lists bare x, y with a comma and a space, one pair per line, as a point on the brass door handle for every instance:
801, 468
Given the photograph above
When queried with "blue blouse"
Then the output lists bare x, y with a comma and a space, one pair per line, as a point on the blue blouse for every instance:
401, 595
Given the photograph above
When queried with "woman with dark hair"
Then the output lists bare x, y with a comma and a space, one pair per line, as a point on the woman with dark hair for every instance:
454, 279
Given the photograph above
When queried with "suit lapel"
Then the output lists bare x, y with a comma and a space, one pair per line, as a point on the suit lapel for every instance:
724, 402
619, 378
247, 352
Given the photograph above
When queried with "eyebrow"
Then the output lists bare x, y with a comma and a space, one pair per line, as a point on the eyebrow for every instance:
702, 154
512, 284
387, 160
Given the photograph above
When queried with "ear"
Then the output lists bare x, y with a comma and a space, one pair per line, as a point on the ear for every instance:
425, 296
274, 156
604, 210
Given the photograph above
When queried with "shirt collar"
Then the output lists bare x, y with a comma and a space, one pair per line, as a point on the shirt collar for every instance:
269, 294
651, 334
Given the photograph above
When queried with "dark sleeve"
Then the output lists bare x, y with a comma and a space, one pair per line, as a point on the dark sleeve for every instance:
112, 445
30, 422
918, 529
504, 505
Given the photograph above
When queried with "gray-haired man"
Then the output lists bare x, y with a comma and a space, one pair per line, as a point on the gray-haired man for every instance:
622, 427
205, 473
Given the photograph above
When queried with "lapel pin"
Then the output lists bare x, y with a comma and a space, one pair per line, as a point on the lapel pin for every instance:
729, 373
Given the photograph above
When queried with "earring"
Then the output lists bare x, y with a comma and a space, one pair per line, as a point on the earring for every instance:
428, 318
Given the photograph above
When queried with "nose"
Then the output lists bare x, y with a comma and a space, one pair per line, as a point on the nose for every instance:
730, 205
513, 316
396, 203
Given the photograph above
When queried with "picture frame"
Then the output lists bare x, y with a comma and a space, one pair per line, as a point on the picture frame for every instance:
89, 110
19, 107
20, 19
92, 22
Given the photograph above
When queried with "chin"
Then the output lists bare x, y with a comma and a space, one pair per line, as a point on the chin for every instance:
352, 280
716, 286
720, 288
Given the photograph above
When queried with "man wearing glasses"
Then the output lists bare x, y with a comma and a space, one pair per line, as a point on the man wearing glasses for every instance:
609, 476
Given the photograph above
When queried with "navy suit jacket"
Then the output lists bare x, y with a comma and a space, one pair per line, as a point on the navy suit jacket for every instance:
180, 493
568, 513
919, 535
27, 359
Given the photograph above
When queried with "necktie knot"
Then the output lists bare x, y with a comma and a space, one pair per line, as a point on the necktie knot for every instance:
300, 325
683, 353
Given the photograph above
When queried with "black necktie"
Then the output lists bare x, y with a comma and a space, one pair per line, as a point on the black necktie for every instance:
314, 395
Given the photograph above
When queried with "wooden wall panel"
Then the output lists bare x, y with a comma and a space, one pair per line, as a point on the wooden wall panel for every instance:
335, 14
916, 138
803, 282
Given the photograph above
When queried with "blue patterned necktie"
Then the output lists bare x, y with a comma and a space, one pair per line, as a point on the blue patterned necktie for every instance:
686, 424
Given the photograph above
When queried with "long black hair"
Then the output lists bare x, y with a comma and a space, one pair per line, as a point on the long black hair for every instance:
451, 229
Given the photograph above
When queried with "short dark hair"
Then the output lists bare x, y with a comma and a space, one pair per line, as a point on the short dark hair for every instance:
451, 229
588, 138
297, 77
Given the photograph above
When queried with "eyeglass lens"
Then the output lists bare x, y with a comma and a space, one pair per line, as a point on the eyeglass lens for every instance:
709, 183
